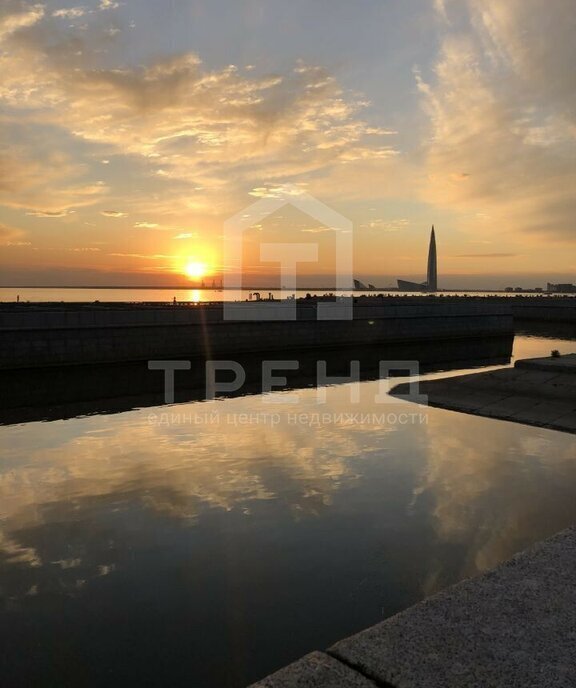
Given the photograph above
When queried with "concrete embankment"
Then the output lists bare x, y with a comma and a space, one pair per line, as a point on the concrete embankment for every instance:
514, 626
538, 391
543, 308
55, 392
60, 334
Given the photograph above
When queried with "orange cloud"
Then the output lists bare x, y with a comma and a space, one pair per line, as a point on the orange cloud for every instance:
501, 108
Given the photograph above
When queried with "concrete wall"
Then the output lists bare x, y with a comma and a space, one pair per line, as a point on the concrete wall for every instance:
65, 391
545, 309
43, 336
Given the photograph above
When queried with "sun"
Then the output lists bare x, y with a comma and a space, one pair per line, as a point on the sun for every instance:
195, 269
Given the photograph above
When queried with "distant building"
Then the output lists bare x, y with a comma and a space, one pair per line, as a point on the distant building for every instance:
537, 290
561, 288
431, 283
360, 286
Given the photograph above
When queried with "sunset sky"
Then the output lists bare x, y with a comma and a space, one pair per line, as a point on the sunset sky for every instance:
131, 130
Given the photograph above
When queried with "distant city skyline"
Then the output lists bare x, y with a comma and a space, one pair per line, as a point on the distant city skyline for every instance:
133, 129
97, 279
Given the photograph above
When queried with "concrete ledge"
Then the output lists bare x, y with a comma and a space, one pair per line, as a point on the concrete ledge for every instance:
560, 364
316, 670
539, 392
515, 626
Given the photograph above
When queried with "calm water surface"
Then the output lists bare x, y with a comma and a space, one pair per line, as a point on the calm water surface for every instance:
139, 552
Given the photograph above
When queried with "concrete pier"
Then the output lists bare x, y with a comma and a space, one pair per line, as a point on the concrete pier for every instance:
514, 626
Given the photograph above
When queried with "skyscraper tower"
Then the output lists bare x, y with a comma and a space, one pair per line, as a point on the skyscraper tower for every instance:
432, 275
431, 283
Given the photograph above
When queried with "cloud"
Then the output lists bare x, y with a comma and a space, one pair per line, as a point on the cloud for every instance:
194, 129
502, 109
277, 190
38, 176
70, 12
146, 256
146, 225
113, 213
386, 225
76, 12
10, 236
487, 255
20, 18
186, 235
50, 213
